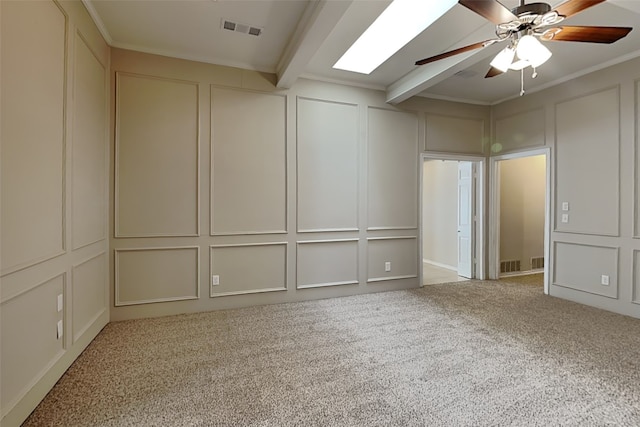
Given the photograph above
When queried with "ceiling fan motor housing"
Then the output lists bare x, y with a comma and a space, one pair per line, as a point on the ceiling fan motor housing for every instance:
532, 9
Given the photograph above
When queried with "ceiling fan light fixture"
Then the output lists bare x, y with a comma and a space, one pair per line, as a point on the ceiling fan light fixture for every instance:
519, 65
504, 58
531, 50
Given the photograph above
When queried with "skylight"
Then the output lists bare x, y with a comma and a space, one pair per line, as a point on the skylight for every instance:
400, 23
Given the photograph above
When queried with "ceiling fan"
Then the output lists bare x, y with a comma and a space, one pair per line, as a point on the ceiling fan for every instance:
524, 26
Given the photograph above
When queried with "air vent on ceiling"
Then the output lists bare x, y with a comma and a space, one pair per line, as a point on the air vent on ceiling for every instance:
241, 28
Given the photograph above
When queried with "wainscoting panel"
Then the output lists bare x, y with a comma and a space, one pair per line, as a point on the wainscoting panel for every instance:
454, 134
635, 292
392, 186
327, 263
588, 140
32, 151
88, 280
248, 161
88, 147
148, 275
522, 130
248, 268
157, 151
636, 164
594, 262
29, 351
327, 165
401, 252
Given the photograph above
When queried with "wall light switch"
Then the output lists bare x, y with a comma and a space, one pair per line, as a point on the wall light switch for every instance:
60, 303
565, 206
387, 266
60, 329
215, 280
605, 280
565, 218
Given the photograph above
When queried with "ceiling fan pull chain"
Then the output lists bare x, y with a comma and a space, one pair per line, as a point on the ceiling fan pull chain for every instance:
535, 73
522, 82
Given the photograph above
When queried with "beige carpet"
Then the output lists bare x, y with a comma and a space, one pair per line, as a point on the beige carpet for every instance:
465, 354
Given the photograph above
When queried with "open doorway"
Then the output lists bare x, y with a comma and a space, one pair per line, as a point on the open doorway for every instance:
520, 218
451, 225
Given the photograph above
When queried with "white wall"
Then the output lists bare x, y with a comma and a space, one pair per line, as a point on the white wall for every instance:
54, 82
590, 124
522, 202
439, 212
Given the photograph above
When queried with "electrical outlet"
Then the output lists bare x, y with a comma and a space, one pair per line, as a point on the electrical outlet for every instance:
387, 266
60, 329
604, 280
215, 280
565, 218
565, 206
60, 303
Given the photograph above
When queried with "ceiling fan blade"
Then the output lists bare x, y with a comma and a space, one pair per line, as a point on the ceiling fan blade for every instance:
453, 52
571, 7
492, 10
493, 71
586, 34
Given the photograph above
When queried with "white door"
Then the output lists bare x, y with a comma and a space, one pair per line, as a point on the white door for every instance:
465, 219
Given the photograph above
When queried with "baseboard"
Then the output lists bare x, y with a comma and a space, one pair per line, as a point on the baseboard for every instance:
439, 264
23, 408
522, 273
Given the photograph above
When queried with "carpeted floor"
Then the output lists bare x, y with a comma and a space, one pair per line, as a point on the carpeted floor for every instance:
535, 279
465, 354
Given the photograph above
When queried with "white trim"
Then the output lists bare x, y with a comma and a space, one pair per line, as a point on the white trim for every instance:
98, 21
385, 278
522, 273
452, 98
494, 210
439, 264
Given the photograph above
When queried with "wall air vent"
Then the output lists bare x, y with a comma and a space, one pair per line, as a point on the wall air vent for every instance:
537, 263
241, 28
509, 266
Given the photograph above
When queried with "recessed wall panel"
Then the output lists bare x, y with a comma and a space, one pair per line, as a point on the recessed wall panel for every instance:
594, 262
454, 134
88, 147
588, 164
88, 281
248, 162
392, 169
400, 252
636, 277
32, 133
521, 130
327, 263
156, 274
156, 157
636, 169
250, 268
29, 338
327, 165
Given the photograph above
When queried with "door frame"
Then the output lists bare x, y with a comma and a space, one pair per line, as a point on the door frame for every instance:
494, 210
479, 270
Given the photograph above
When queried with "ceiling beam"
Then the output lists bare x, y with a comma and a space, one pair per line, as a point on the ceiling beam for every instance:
425, 76
317, 22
